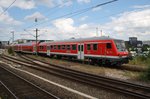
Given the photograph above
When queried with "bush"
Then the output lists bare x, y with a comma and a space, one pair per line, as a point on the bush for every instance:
146, 75
138, 60
148, 55
10, 51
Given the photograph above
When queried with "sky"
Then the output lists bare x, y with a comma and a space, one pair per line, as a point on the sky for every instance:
65, 19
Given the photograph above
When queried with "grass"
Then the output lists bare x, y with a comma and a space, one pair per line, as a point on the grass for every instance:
139, 60
146, 75
142, 61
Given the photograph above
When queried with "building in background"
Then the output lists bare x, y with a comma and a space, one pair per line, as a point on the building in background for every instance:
3, 44
29, 40
146, 43
133, 41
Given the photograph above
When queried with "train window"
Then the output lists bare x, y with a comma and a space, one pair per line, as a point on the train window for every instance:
58, 46
81, 47
51, 46
88, 47
74, 47
68, 47
108, 45
48, 47
55, 46
78, 47
94, 46
41, 47
63, 47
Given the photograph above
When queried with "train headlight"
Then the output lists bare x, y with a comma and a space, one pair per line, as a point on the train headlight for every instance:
119, 55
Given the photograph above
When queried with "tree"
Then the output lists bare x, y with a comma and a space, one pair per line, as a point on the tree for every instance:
144, 48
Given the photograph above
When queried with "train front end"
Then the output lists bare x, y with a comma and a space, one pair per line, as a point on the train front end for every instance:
122, 52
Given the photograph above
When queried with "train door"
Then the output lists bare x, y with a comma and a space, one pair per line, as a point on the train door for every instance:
48, 50
81, 51
34, 49
21, 48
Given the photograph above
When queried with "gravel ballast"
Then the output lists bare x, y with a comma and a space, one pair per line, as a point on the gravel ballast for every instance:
96, 92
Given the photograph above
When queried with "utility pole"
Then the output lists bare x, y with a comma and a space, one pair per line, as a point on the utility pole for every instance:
36, 36
36, 30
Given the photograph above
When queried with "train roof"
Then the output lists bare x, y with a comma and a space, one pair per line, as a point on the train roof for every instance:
85, 39
27, 44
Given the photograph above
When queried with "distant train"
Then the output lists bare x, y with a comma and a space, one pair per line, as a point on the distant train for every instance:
99, 50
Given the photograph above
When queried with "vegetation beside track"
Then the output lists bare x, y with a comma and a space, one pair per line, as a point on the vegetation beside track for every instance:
143, 61
146, 75
11, 51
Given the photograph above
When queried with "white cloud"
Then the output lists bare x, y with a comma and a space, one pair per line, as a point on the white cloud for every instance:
7, 19
37, 15
83, 18
53, 3
23, 4
64, 2
133, 23
49, 3
5, 33
84, 1
65, 25
30, 4
83, 26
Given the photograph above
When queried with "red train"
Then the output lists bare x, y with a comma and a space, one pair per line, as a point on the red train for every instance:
100, 50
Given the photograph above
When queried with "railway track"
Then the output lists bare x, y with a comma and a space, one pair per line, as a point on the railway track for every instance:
124, 67
20, 88
126, 88
5, 92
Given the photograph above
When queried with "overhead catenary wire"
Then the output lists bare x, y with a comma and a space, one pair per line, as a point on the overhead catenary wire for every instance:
8, 7
121, 22
77, 12
57, 6
47, 13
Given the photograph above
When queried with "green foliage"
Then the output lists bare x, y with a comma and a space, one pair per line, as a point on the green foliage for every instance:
10, 51
139, 60
146, 75
144, 48
143, 60
148, 56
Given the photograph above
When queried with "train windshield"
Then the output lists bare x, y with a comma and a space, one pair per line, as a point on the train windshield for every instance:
120, 45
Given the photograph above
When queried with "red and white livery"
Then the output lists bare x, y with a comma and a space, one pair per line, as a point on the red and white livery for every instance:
100, 50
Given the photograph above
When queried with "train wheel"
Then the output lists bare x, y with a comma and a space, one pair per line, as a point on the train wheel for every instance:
99, 62
118, 64
93, 61
59, 57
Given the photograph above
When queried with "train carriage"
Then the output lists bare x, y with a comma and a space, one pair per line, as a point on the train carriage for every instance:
99, 50
42, 48
17, 47
96, 49
29, 47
